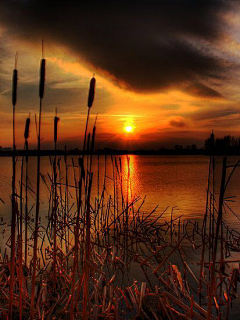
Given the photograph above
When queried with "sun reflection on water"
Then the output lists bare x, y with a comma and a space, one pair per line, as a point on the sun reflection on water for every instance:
131, 183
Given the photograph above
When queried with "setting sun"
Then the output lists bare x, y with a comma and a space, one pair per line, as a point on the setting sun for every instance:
128, 129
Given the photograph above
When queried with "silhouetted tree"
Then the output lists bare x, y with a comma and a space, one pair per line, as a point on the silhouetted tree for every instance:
194, 147
224, 144
178, 147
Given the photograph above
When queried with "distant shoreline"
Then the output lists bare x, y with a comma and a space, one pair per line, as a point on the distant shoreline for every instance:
172, 152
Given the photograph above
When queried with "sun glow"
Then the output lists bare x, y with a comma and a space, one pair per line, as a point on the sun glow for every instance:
128, 129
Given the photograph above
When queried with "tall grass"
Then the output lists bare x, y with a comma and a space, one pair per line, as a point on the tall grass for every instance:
14, 203
26, 136
41, 95
55, 207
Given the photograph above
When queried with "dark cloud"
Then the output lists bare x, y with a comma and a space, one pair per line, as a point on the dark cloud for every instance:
178, 123
66, 99
217, 113
199, 89
170, 107
145, 46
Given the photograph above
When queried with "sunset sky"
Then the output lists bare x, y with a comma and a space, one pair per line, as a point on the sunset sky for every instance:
170, 70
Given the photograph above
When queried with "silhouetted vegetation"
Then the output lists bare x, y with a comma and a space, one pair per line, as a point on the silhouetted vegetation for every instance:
227, 145
108, 151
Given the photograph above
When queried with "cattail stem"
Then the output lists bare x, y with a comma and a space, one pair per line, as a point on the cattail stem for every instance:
218, 226
87, 250
20, 244
75, 261
13, 220
55, 214
205, 219
26, 201
13, 225
66, 203
37, 213
56, 119
204, 232
26, 136
41, 94
85, 135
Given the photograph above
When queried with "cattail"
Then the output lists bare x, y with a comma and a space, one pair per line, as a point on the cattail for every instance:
56, 119
90, 102
93, 138
42, 78
81, 165
14, 87
88, 141
27, 126
41, 93
14, 213
91, 92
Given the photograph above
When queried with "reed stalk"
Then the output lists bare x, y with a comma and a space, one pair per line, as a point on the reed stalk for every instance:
87, 251
75, 259
13, 220
41, 94
26, 136
55, 203
204, 227
20, 244
218, 227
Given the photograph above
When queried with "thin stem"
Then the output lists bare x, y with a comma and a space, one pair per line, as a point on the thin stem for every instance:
37, 214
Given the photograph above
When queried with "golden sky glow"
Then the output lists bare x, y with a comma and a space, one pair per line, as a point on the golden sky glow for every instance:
164, 115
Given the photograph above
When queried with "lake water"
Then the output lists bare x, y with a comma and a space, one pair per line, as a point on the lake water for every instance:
166, 181
177, 183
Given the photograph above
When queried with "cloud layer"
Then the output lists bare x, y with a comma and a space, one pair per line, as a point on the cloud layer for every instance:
140, 45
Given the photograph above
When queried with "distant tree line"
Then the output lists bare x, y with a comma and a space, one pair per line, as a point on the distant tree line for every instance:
227, 144
178, 147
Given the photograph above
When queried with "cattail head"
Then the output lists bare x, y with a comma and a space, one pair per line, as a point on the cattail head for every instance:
56, 119
42, 78
14, 87
27, 126
91, 92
